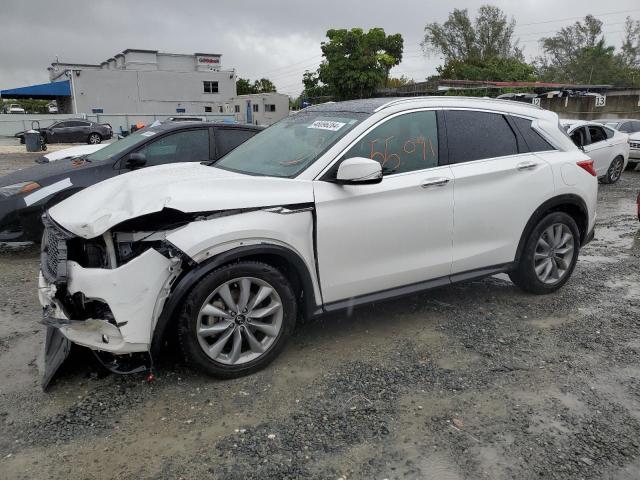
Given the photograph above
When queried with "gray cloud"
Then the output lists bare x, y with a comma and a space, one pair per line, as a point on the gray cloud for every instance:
277, 39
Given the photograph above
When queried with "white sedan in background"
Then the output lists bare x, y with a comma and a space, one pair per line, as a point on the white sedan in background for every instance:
608, 148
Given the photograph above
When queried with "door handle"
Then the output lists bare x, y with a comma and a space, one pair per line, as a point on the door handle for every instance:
528, 165
435, 182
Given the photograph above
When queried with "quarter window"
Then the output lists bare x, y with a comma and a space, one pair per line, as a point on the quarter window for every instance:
532, 138
210, 86
402, 144
476, 135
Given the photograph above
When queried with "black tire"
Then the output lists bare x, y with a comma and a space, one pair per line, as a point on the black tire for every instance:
524, 274
188, 321
94, 138
614, 172
631, 165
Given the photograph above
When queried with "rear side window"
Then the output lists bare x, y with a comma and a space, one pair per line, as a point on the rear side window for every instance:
610, 133
477, 135
597, 134
229, 138
532, 138
183, 146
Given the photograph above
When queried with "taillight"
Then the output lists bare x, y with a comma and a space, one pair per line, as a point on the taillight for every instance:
588, 166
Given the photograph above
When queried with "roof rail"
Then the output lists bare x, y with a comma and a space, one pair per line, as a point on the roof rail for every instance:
415, 99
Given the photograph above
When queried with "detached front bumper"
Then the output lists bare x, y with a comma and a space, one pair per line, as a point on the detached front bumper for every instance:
132, 294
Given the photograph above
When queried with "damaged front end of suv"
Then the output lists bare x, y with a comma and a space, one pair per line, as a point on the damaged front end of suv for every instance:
104, 293
113, 276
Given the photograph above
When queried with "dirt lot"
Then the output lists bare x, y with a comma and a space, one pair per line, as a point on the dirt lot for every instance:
473, 381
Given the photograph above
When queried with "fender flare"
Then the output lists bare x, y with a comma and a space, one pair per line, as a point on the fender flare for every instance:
552, 205
187, 280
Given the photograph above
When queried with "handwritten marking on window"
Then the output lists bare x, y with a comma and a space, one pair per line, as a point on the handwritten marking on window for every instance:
381, 150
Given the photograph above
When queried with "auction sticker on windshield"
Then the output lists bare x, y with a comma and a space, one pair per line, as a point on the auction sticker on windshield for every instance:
327, 125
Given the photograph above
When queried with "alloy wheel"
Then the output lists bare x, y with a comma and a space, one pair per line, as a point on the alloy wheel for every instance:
240, 320
94, 139
554, 253
615, 170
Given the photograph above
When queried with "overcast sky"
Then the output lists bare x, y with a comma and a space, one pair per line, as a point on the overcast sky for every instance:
276, 39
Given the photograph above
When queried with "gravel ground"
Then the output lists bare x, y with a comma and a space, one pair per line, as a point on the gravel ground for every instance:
473, 381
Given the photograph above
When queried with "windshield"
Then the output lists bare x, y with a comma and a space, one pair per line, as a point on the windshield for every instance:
115, 148
288, 147
612, 124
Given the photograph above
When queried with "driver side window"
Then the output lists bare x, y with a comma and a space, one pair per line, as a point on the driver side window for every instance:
404, 143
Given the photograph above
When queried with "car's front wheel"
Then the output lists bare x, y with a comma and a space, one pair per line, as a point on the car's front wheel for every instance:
94, 139
549, 255
237, 319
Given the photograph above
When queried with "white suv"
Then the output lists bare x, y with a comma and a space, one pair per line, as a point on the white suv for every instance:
337, 205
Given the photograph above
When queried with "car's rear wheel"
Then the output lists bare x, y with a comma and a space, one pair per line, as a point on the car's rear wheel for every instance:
94, 139
549, 255
631, 165
237, 319
615, 171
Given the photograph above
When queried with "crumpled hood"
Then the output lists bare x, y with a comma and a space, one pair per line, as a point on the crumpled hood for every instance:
187, 187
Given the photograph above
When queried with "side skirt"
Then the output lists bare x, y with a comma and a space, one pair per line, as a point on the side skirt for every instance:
413, 288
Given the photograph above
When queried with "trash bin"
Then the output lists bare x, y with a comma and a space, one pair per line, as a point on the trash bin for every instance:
32, 140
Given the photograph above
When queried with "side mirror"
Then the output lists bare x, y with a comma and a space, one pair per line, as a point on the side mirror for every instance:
359, 171
136, 160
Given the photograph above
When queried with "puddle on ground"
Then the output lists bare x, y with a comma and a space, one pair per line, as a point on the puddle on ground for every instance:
628, 288
597, 259
549, 322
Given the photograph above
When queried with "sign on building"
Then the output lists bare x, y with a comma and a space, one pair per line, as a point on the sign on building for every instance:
208, 60
601, 101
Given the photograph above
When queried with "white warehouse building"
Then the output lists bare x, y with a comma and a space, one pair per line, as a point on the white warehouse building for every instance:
151, 82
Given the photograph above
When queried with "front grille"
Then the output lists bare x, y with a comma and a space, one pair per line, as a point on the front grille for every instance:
634, 145
53, 255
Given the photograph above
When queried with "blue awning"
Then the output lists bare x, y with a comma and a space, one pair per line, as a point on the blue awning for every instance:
46, 91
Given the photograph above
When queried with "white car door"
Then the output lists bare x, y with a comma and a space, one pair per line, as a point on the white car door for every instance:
397, 233
497, 186
599, 149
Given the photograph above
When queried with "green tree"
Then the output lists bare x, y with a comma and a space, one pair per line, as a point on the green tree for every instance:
313, 88
480, 49
493, 69
490, 35
630, 50
264, 85
579, 54
244, 86
356, 63
400, 81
